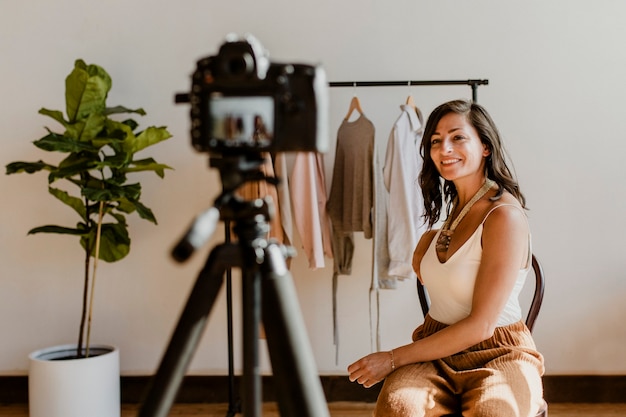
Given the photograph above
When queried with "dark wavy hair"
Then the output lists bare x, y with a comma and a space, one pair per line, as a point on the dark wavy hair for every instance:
436, 191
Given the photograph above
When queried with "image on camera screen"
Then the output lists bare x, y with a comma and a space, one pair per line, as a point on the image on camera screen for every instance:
242, 121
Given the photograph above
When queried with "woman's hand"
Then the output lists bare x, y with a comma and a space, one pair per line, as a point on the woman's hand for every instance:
371, 369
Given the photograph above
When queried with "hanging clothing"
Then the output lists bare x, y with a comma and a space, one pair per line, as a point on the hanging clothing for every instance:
397, 198
405, 223
380, 271
351, 193
308, 195
350, 202
284, 197
380, 267
351, 197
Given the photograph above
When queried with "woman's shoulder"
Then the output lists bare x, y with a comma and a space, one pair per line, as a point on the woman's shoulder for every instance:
506, 210
427, 238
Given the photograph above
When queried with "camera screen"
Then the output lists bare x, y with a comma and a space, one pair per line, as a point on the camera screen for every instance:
242, 121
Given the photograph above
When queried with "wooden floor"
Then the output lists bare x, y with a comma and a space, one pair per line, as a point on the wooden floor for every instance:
338, 409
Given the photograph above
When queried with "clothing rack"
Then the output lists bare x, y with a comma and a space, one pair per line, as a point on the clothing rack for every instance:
472, 83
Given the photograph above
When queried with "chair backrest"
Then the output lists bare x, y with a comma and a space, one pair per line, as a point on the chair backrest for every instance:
535, 305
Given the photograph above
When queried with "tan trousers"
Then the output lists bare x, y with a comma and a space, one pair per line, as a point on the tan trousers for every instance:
499, 377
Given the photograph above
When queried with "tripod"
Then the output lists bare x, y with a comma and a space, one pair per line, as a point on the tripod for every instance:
267, 292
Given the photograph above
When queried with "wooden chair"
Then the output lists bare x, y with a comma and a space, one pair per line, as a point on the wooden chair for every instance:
533, 309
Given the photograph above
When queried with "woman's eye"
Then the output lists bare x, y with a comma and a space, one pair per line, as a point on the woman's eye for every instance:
459, 137
435, 141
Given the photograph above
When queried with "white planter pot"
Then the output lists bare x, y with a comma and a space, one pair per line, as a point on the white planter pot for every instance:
86, 387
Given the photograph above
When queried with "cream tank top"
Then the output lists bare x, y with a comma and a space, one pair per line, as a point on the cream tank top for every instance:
450, 285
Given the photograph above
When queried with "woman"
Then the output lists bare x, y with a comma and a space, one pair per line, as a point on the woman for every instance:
473, 354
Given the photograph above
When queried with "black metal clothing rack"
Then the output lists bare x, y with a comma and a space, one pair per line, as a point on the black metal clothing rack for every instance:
472, 83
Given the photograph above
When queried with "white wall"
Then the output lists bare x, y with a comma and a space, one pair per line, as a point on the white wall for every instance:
556, 89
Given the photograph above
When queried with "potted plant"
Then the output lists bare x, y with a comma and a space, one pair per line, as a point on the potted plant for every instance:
97, 160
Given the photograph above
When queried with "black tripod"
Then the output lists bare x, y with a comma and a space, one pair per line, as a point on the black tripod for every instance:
267, 291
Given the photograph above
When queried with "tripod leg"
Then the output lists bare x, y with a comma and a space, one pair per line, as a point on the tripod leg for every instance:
299, 389
251, 300
234, 404
165, 384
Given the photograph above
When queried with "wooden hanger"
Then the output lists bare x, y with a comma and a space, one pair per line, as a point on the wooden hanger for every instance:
355, 104
410, 102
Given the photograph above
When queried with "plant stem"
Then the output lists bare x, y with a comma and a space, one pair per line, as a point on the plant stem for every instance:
83, 316
93, 275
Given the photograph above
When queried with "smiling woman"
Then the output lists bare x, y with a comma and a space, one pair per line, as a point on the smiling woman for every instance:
456, 148
473, 352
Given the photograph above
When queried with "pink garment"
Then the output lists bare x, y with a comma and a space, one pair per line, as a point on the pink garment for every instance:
308, 197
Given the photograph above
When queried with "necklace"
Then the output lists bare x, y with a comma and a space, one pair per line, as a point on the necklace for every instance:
448, 230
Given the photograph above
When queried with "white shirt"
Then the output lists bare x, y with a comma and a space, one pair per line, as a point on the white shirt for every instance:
403, 164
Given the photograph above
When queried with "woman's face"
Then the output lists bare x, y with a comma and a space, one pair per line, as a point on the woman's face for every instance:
456, 148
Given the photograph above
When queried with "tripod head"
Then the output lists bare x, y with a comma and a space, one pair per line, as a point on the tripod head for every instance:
250, 217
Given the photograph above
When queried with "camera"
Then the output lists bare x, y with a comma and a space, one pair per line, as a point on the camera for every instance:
241, 102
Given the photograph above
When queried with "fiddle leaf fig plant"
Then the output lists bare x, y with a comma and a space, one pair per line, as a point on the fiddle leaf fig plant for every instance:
98, 157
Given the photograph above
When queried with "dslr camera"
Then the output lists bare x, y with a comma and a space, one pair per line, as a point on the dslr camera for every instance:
241, 102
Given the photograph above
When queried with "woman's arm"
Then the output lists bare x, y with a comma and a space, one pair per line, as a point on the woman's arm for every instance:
505, 251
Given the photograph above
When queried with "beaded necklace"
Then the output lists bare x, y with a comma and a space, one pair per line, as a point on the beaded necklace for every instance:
447, 230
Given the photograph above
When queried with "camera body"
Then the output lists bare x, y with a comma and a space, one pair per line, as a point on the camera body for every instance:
242, 102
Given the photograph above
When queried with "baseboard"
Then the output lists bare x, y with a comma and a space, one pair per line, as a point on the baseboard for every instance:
216, 389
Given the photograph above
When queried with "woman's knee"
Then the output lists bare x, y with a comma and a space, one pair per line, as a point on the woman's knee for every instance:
405, 401
512, 390
412, 391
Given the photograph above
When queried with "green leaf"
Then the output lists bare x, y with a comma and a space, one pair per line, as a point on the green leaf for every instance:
55, 114
73, 165
74, 202
114, 242
118, 161
83, 161
131, 123
56, 229
148, 137
148, 164
143, 211
28, 167
125, 206
121, 131
119, 217
56, 143
113, 192
103, 140
86, 89
121, 109
86, 129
